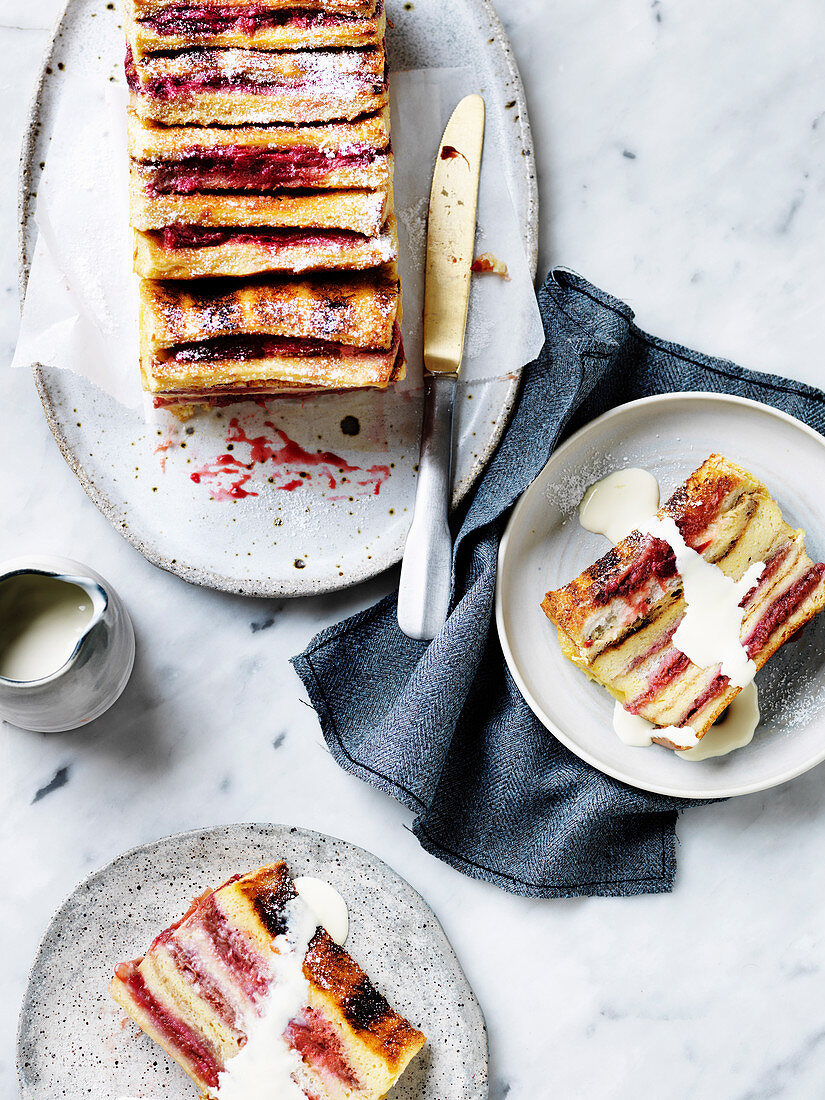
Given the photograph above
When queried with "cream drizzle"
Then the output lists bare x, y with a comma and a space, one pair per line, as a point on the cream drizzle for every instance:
733, 730
638, 732
326, 903
619, 503
263, 1069
709, 633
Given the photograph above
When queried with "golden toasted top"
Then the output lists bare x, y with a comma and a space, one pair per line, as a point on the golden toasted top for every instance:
357, 309
318, 69
149, 141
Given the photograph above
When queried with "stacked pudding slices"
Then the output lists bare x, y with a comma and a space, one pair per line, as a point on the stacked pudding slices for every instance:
261, 197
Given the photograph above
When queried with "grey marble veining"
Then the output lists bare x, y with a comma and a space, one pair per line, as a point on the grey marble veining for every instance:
680, 164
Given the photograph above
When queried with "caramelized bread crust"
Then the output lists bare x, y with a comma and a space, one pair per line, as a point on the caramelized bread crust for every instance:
252, 86
616, 620
201, 978
240, 256
359, 310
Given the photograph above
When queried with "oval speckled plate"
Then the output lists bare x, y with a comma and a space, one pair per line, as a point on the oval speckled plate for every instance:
258, 525
73, 1041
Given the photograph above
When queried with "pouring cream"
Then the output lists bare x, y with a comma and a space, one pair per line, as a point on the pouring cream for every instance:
327, 905
42, 619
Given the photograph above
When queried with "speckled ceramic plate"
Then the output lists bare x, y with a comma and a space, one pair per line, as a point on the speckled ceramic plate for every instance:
544, 547
307, 528
73, 1040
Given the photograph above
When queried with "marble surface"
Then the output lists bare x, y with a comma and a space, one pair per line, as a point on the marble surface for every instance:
679, 150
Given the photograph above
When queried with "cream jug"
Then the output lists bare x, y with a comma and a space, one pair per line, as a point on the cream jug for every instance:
67, 645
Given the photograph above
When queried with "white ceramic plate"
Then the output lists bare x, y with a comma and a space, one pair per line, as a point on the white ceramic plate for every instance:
73, 1042
544, 547
279, 542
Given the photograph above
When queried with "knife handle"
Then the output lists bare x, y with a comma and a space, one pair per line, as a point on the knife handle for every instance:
426, 572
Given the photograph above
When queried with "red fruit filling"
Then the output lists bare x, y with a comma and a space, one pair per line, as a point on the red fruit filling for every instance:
319, 1046
782, 609
197, 236
673, 665
191, 966
771, 566
656, 560
661, 643
194, 21
715, 688
259, 347
267, 347
249, 168
233, 950
190, 1045
697, 515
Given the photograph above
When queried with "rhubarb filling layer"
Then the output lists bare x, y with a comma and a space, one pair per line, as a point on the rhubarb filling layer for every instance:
782, 608
319, 1046
242, 349
174, 1031
196, 236
233, 949
193, 21
656, 560
248, 168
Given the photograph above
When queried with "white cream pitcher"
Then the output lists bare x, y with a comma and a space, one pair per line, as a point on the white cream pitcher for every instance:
67, 644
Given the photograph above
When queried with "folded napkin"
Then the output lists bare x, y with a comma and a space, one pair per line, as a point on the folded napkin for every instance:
441, 726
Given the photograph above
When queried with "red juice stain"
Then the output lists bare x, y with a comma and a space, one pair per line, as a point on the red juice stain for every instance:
449, 152
292, 463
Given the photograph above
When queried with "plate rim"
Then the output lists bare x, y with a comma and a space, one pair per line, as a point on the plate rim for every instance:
294, 587
470, 1001
509, 657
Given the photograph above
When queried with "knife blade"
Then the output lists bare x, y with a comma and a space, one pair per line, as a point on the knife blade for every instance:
451, 230
426, 571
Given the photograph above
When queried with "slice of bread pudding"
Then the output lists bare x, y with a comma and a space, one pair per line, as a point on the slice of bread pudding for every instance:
617, 620
208, 984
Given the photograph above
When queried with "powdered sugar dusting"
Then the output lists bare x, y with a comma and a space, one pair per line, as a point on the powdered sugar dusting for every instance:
566, 493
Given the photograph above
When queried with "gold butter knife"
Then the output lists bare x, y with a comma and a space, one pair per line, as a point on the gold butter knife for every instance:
424, 593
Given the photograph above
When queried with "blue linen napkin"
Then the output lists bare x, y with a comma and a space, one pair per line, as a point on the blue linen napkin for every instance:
441, 726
